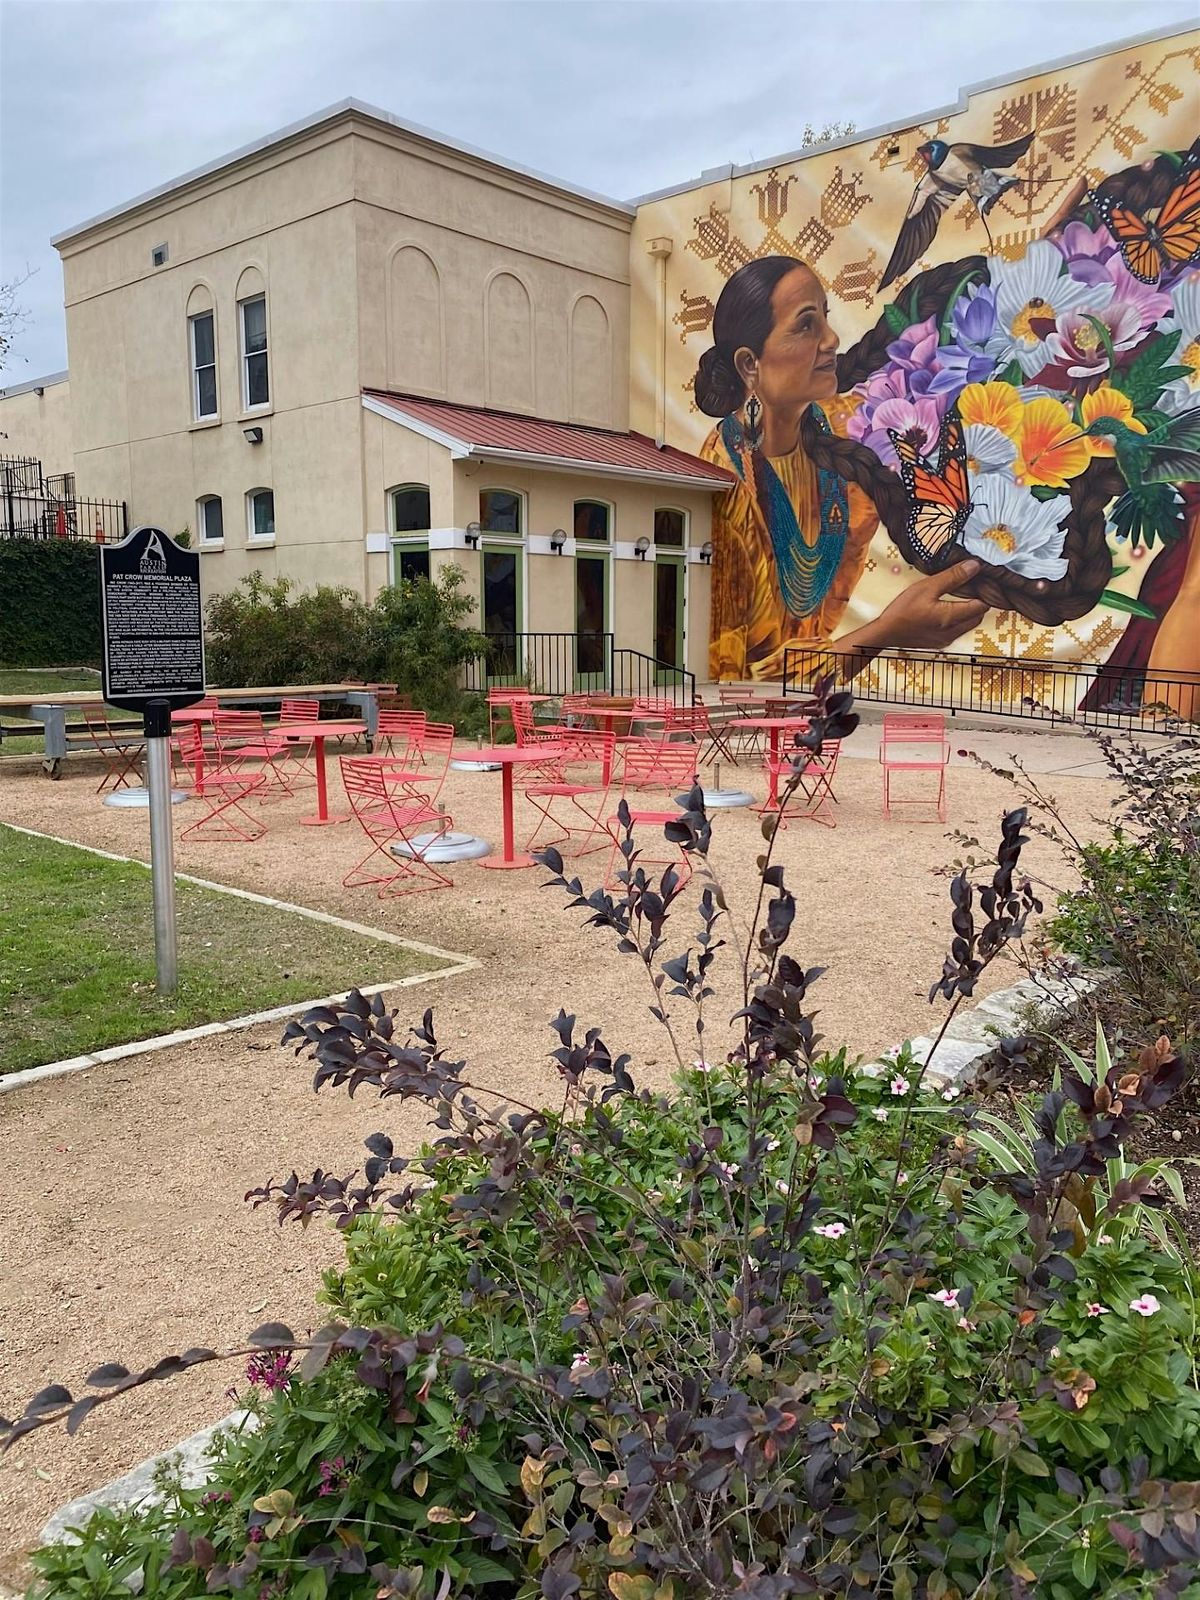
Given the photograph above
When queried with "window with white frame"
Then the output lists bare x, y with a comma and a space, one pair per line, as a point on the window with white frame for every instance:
204, 365
501, 511
260, 514
256, 384
210, 519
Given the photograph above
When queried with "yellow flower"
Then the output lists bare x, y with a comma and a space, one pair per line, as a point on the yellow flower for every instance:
1107, 402
1050, 447
997, 405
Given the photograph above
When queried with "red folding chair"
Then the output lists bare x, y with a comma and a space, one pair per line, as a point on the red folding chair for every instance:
241, 738
398, 733
224, 793
500, 704
401, 823
653, 764
914, 742
577, 711
695, 723
120, 750
571, 796
813, 795
299, 710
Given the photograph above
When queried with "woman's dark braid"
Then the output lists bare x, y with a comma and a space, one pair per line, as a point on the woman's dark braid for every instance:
1089, 563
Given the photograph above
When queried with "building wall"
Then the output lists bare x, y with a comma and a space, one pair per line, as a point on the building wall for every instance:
486, 288
840, 210
38, 425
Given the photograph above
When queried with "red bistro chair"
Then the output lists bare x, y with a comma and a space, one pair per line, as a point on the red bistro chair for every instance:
653, 764
242, 738
500, 703
571, 796
695, 723
401, 824
224, 793
119, 749
913, 742
810, 800
398, 733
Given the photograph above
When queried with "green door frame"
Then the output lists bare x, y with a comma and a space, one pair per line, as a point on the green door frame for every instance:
679, 563
514, 676
594, 679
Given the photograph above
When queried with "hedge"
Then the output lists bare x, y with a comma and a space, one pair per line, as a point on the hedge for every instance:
49, 603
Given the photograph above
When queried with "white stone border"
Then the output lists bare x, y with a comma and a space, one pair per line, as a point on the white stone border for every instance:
119, 1052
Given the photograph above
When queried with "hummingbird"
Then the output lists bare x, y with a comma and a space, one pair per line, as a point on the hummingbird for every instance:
1152, 463
951, 170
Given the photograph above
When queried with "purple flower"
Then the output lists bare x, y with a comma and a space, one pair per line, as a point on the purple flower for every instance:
919, 420
1146, 301
1076, 350
974, 316
333, 1476
1086, 251
915, 353
271, 1370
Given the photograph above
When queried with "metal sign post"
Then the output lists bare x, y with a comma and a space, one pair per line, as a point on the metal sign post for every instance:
154, 663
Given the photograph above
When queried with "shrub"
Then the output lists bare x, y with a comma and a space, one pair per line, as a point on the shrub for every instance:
789, 1330
50, 614
412, 635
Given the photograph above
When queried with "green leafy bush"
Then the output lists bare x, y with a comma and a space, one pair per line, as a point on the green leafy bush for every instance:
50, 612
412, 635
793, 1329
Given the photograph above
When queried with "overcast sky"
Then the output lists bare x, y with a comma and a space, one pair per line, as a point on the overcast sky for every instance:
99, 102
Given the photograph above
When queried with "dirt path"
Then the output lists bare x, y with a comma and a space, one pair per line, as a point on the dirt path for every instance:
125, 1235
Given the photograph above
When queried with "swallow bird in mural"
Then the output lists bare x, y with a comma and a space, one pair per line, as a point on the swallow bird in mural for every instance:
951, 170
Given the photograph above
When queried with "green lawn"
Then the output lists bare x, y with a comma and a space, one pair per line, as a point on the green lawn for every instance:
21, 680
77, 955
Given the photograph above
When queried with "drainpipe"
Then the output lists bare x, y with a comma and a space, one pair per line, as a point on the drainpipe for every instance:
660, 249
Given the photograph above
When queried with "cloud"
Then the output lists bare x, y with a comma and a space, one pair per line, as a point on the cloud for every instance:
99, 102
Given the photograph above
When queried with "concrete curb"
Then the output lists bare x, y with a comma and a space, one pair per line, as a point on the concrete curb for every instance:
163, 1041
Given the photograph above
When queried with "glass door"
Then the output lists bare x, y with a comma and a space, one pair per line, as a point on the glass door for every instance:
591, 617
502, 613
668, 616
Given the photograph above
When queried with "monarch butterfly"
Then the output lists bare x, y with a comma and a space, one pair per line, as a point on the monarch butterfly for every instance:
939, 503
1148, 246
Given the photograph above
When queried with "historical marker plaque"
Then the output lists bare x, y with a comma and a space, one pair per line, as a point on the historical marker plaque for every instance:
153, 634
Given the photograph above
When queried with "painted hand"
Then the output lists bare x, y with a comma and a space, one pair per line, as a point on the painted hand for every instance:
928, 615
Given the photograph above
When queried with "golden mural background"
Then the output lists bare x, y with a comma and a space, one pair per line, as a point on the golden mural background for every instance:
840, 210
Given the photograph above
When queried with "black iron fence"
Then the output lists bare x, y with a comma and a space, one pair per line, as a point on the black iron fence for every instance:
574, 663
1092, 694
34, 507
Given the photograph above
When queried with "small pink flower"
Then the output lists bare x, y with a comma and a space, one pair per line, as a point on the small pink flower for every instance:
1095, 1309
727, 1167
899, 1085
580, 1364
901, 1179
701, 1066
966, 1325
783, 1186
831, 1230
949, 1092
1146, 1305
880, 1114
945, 1297
1105, 1238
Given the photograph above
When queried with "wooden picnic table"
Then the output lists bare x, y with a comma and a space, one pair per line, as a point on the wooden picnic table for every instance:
52, 711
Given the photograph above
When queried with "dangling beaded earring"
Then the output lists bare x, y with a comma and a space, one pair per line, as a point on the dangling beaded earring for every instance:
752, 427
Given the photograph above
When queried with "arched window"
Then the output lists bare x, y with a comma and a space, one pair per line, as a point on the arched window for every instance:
592, 520
502, 511
410, 508
260, 515
202, 353
252, 333
670, 528
210, 519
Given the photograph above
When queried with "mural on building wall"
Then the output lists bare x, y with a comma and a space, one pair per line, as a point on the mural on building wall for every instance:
1032, 408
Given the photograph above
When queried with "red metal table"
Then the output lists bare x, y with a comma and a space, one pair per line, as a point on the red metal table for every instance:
195, 717
318, 732
610, 716
507, 756
772, 727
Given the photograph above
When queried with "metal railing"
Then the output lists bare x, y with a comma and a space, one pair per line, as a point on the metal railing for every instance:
1088, 693
35, 507
573, 663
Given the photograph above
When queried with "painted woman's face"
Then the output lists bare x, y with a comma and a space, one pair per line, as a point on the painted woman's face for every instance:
797, 364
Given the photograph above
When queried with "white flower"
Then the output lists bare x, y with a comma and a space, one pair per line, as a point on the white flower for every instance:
1007, 527
880, 1114
902, 1178
727, 1167
1031, 294
1104, 1238
772, 1144
1184, 393
580, 1364
988, 450
899, 1085
950, 1092
702, 1066
1095, 1309
1146, 1305
945, 1297
830, 1230
782, 1186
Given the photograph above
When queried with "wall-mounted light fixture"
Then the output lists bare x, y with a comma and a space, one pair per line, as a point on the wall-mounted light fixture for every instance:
252, 435
706, 552
473, 530
558, 541
641, 548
